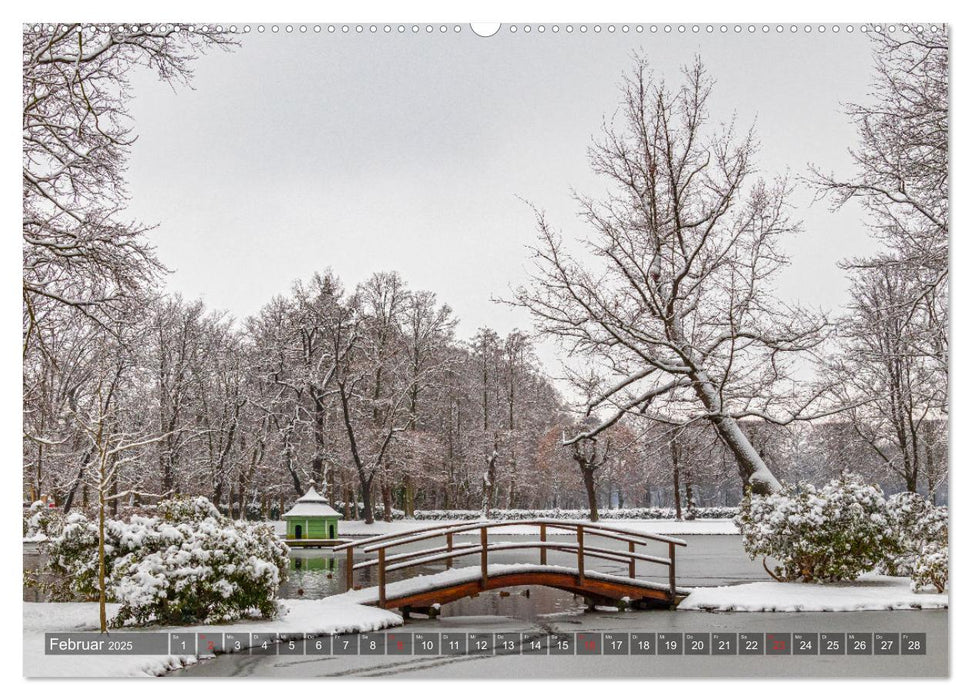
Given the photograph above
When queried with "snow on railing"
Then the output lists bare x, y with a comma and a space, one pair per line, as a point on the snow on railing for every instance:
448, 552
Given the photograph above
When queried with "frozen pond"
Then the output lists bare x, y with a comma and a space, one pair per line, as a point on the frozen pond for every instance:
708, 560
933, 623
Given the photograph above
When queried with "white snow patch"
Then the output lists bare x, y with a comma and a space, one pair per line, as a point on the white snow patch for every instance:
869, 592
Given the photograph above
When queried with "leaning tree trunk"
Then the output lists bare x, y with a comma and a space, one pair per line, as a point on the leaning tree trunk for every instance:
755, 474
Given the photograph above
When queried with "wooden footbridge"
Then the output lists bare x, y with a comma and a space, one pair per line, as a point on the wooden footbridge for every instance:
424, 593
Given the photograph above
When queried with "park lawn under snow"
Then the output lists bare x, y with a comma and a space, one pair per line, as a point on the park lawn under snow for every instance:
325, 616
869, 592
712, 526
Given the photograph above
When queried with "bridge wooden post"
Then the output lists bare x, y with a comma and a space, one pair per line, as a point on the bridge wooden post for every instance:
350, 568
484, 557
448, 543
632, 566
382, 598
671, 574
580, 575
542, 538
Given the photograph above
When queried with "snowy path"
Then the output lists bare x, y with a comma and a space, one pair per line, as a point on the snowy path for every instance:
933, 623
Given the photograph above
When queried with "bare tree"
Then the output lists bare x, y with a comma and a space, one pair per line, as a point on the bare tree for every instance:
900, 402
590, 454
371, 381
107, 412
902, 172
79, 251
675, 304
428, 328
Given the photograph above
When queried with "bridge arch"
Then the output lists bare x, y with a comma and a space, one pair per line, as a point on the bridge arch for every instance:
455, 583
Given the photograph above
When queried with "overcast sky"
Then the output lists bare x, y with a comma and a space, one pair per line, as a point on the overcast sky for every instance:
359, 152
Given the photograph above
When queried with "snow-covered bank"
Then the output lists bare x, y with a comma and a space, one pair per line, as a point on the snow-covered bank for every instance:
713, 526
325, 616
869, 592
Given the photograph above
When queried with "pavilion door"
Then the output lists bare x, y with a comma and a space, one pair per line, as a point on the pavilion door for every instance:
298, 532
330, 530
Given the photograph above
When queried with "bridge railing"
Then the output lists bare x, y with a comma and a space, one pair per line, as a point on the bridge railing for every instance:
381, 544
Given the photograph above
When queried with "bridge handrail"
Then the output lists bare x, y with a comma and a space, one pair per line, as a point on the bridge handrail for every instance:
610, 555
428, 556
392, 535
425, 533
458, 551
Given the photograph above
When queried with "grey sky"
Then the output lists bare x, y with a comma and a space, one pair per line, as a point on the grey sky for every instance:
368, 152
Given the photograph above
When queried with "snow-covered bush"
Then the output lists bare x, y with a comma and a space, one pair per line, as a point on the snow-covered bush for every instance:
40, 521
188, 564
921, 551
72, 558
833, 533
930, 568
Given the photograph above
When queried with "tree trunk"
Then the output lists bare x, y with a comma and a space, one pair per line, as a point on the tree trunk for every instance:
751, 468
489, 480
590, 487
676, 467
689, 496
409, 499
78, 481
102, 583
367, 511
386, 499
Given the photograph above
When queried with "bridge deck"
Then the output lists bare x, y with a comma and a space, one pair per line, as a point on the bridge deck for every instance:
453, 584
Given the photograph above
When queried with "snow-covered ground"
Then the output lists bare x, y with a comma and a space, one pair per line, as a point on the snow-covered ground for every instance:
869, 592
325, 616
713, 526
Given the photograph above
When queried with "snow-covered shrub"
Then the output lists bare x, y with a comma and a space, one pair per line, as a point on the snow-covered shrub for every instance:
918, 524
188, 564
72, 558
921, 551
40, 521
930, 568
833, 533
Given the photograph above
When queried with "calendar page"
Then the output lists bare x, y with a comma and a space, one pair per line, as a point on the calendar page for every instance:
520, 350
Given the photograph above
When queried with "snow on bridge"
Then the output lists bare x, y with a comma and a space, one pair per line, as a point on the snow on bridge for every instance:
424, 592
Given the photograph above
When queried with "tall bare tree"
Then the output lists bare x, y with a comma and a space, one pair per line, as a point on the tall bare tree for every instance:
901, 413
894, 352
675, 306
902, 175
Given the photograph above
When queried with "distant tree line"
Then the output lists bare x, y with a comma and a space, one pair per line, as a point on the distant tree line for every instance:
689, 381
